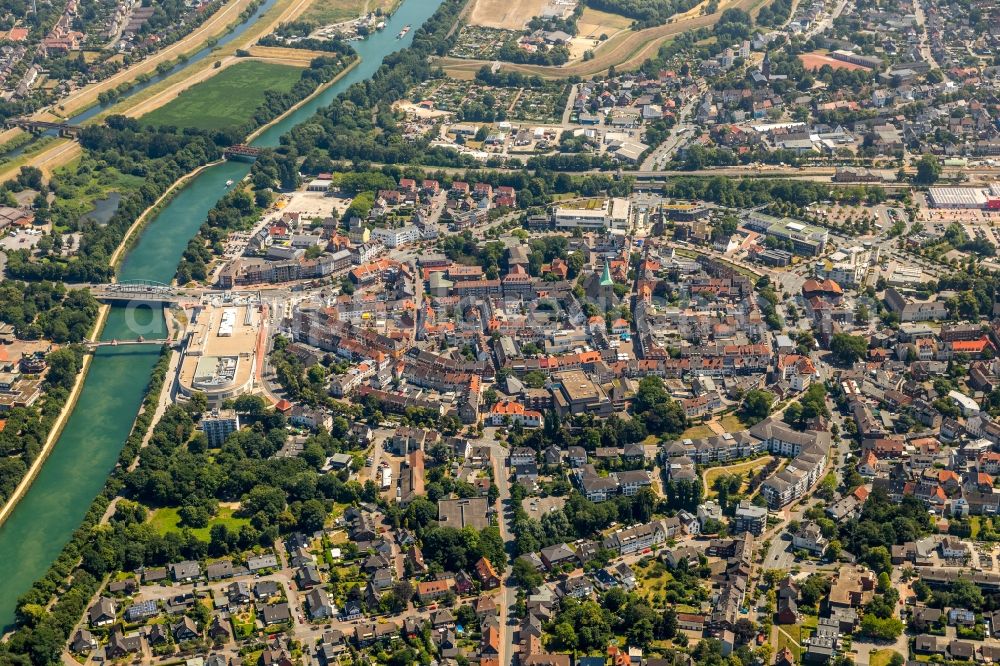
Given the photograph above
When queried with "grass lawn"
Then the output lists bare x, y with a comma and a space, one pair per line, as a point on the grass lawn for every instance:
228, 99
788, 636
732, 423
699, 431
652, 579
744, 468
168, 520
881, 658
338, 510
243, 624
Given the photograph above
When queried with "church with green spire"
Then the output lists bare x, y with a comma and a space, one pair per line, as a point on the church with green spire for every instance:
606, 280
601, 286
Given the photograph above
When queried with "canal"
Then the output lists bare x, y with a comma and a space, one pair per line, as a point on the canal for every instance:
75, 471
199, 55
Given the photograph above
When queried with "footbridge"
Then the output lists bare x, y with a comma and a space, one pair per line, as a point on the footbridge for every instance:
95, 344
39, 126
242, 152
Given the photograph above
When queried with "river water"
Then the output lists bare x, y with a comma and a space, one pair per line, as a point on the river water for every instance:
201, 54
88, 447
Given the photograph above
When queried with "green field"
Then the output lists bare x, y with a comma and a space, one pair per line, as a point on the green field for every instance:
745, 469
168, 520
228, 99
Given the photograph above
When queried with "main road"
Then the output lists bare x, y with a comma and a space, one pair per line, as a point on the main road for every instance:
505, 520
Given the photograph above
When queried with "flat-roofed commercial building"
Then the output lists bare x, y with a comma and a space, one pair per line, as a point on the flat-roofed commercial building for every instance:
220, 358
804, 238
576, 393
464, 512
956, 197
620, 216
596, 217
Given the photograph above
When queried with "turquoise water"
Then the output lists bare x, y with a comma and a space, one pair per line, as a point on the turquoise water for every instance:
75, 471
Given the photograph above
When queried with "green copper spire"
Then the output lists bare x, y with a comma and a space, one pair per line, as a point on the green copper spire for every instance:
606, 280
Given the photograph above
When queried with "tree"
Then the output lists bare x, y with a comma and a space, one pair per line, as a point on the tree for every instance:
312, 516
668, 626
756, 405
657, 410
848, 349
928, 170
886, 629
814, 589
566, 636
525, 575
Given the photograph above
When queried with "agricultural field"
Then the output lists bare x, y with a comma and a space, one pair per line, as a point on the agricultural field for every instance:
228, 99
327, 12
478, 43
509, 14
594, 27
594, 23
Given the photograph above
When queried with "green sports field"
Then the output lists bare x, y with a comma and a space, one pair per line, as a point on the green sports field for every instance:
228, 99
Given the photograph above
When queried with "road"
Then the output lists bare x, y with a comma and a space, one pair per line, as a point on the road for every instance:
505, 518
681, 131
826, 22
925, 47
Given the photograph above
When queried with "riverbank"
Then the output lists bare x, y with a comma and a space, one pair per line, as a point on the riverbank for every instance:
133, 231
283, 11
58, 425
216, 26
62, 151
83, 515
43, 538
305, 100
67, 410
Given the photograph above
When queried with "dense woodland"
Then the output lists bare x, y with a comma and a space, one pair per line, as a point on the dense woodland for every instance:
160, 156
47, 310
